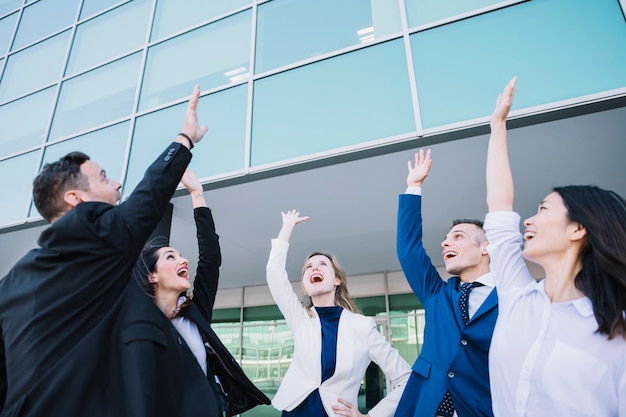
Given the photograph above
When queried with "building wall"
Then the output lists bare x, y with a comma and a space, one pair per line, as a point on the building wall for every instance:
283, 81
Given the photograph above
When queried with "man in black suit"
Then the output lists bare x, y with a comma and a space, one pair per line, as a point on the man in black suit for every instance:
56, 302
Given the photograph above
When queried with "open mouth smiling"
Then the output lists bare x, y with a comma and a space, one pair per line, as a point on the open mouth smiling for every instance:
316, 278
183, 272
449, 254
528, 235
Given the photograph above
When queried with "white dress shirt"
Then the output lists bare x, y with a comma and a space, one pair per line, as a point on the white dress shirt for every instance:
479, 294
546, 359
189, 331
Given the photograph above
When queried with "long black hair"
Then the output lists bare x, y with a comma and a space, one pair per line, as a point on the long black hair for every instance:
146, 263
603, 275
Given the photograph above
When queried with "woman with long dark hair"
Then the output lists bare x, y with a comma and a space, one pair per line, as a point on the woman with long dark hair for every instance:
559, 346
204, 373
333, 343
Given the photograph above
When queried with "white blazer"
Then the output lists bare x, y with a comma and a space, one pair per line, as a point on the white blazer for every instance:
358, 343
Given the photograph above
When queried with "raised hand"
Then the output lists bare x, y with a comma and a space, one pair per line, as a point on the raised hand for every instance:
419, 172
290, 219
191, 182
347, 409
500, 191
504, 103
191, 127
194, 186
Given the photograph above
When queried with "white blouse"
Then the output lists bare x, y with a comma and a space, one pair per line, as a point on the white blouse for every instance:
189, 331
546, 359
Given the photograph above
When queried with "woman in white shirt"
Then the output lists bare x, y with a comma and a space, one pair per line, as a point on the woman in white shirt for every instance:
559, 346
333, 343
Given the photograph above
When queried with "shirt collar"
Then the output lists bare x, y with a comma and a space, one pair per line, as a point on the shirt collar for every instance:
487, 280
583, 304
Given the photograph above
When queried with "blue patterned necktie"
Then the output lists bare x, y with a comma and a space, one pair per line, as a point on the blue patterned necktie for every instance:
446, 408
466, 289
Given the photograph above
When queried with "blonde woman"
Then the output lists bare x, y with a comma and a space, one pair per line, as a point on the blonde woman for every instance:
333, 343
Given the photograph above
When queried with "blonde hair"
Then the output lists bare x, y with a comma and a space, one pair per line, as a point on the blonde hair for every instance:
342, 298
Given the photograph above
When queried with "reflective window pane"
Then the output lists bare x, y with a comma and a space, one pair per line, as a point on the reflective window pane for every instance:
221, 150
174, 15
210, 56
293, 30
91, 7
43, 18
371, 306
225, 315
407, 335
262, 314
111, 95
420, 12
7, 26
404, 304
347, 100
21, 170
230, 336
267, 353
109, 35
106, 147
24, 121
462, 66
8, 5
35, 67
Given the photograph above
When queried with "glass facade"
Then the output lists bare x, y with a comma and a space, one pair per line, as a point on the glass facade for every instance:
285, 81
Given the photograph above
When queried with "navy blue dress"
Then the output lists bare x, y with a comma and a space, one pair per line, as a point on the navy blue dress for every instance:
312, 405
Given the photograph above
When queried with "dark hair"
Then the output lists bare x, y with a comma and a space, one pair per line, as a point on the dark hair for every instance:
146, 263
476, 223
54, 180
603, 275
342, 298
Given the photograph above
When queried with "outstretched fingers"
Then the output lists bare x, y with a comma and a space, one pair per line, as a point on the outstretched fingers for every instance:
504, 102
191, 182
293, 217
346, 409
419, 171
191, 126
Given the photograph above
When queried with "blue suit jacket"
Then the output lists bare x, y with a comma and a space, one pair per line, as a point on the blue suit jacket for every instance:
454, 355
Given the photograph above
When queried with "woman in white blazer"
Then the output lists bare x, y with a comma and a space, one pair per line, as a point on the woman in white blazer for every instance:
333, 343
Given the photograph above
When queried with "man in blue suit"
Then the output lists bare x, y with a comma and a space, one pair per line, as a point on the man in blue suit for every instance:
451, 375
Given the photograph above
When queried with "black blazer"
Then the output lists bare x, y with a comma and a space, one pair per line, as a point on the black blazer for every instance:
158, 374
57, 302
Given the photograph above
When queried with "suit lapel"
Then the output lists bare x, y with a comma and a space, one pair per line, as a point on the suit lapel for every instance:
194, 315
490, 303
455, 295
